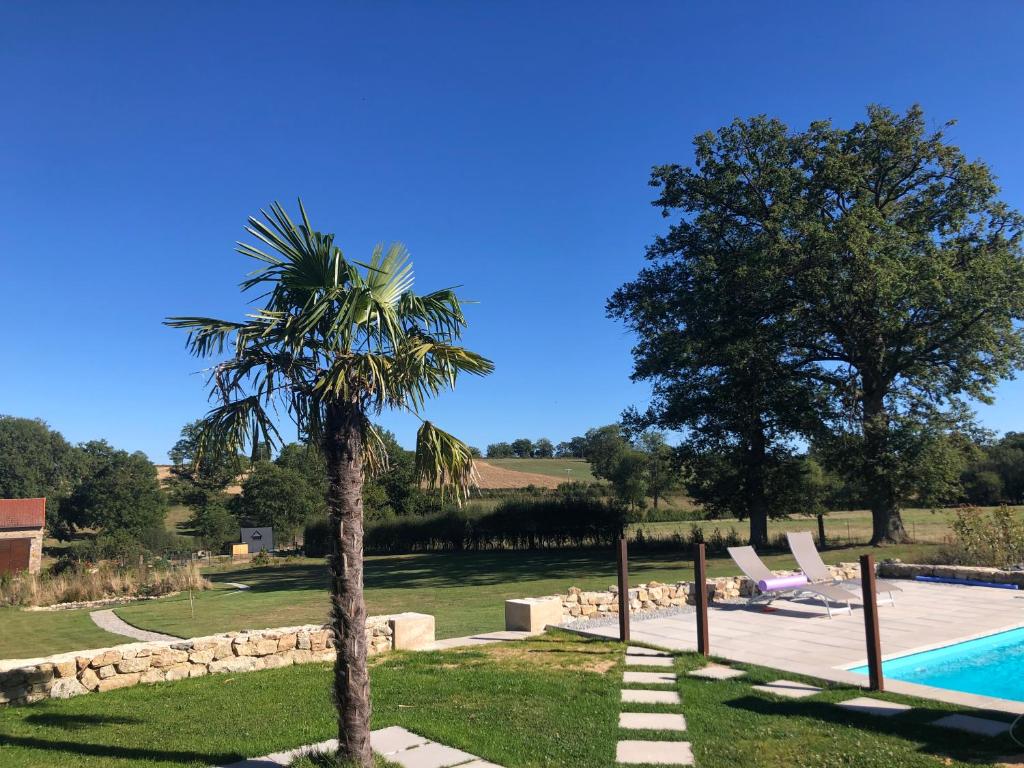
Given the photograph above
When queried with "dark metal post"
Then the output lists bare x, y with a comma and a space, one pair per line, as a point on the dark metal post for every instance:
700, 580
821, 531
623, 563
874, 639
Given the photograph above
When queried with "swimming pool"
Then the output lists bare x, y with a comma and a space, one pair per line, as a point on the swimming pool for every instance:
990, 666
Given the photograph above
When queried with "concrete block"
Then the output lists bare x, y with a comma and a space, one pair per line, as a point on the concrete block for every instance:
533, 614
411, 631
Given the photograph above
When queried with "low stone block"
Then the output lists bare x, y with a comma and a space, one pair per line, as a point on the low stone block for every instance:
414, 630
532, 614
89, 679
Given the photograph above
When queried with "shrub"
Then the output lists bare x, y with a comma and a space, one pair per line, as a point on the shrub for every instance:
994, 539
78, 583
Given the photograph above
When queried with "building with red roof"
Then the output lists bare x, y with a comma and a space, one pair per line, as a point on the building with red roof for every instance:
22, 524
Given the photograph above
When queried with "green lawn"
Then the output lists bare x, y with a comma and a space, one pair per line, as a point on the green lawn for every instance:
464, 591
548, 702
27, 634
573, 469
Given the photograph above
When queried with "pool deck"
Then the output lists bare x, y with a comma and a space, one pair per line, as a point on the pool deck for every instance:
797, 636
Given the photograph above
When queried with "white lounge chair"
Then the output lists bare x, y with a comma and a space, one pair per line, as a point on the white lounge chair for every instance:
755, 570
801, 544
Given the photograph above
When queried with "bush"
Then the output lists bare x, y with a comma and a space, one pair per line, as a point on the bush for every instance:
995, 539
573, 518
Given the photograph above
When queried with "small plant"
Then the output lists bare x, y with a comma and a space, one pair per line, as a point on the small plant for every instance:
262, 558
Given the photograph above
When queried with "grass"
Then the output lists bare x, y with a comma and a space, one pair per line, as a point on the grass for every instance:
464, 591
27, 634
923, 525
578, 469
550, 701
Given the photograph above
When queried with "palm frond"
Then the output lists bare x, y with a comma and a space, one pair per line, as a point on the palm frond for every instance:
444, 462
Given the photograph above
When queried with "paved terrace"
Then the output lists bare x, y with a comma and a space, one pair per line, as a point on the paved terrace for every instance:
797, 636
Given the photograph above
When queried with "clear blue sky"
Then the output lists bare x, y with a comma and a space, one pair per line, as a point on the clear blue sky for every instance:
507, 144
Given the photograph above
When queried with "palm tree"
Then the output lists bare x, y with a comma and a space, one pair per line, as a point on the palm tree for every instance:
335, 343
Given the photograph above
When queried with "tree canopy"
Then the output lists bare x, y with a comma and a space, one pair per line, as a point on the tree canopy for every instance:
859, 283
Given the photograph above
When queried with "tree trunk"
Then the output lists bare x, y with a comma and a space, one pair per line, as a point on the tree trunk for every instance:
757, 504
886, 522
343, 451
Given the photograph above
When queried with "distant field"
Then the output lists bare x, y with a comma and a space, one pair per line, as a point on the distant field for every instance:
923, 525
573, 469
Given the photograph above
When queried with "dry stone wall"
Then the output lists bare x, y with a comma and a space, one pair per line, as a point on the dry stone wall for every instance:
654, 596
73, 674
895, 569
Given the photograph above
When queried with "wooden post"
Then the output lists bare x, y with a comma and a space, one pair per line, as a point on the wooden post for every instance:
821, 531
874, 639
623, 563
700, 570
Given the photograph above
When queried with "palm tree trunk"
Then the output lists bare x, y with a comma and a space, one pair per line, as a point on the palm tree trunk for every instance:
343, 451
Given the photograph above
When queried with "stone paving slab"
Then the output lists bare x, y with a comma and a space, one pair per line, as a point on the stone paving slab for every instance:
654, 753
387, 741
396, 743
788, 688
649, 661
648, 678
652, 721
869, 706
980, 726
634, 696
717, 672
430, 755
635, 650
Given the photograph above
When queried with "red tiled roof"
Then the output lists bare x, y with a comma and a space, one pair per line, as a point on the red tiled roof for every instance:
22, 513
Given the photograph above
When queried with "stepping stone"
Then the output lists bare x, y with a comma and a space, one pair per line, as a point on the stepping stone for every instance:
652, 721
387, 741
648, 678
869, 706
717, 672
430, 755
649, 697
650, 661
634, 650
979, 726
654, 753
480, 764
788, 688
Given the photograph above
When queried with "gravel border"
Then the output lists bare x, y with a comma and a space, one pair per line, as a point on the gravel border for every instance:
612, 619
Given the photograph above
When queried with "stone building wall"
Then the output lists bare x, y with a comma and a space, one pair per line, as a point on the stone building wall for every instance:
35, 557
72, 674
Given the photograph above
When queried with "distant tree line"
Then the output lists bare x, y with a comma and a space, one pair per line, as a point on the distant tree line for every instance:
90, 486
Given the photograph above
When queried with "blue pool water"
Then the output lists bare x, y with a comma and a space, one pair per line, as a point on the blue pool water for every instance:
990, 666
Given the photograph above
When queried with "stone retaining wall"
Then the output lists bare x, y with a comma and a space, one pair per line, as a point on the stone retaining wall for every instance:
652, 596
895, 569
73, 674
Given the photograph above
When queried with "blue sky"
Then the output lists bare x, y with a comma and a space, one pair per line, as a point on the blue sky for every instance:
507, 144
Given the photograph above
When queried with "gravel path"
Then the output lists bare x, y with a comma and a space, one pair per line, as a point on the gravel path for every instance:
109, 621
